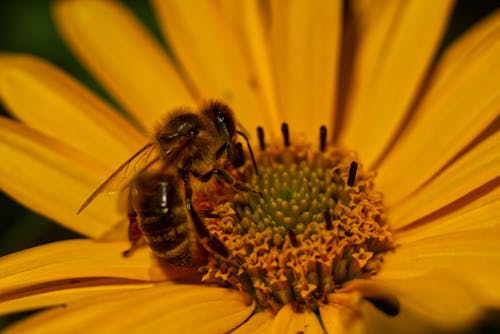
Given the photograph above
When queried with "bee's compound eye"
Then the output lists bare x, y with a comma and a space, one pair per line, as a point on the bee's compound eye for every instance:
222, 117
226, 120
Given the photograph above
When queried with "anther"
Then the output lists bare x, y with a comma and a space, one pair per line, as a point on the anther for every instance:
322, 138
260, 134
239, 157
293, 238
352, 173
328, 220
286, 136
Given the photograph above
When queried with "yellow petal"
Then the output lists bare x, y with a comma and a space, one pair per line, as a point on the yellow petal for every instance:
52, 179
405, 322
483, 211
304, 41
433, 301
170, 307
397, 43
212, 47
258, 323
459, 53
460, 103
338, 319
288, 321
21, 272
64, 295
472, 170
253, 20
123, 56
53, 103
472, 255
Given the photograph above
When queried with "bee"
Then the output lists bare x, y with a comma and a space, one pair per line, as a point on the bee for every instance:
186, 145
156, 213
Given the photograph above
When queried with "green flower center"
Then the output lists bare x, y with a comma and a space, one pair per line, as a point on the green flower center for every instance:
316, 224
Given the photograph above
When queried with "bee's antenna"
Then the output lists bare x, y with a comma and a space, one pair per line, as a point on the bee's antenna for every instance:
249, 150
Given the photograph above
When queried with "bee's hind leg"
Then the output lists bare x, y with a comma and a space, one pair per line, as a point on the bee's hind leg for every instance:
134, 235
211, 244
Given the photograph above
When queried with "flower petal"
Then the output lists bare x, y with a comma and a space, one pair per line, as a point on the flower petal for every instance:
212, 47
71, 259
171, 307
461, 102
430, 301
405, 322
253, 20
64, 296
50, 101
472, 255
483, 211
53, 179
123, 56
397, 43
304, 39
472, 170
258, 323
341, 320
288, 321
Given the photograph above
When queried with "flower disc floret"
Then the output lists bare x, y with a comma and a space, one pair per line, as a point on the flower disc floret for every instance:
303, 232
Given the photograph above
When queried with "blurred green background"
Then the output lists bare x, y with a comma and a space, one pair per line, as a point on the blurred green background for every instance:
26, 26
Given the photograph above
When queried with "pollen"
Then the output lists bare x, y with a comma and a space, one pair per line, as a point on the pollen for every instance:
312, 223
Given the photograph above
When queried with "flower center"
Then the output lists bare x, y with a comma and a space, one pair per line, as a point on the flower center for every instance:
313, 223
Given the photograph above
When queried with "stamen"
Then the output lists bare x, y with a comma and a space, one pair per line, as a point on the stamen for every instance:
328, 220
239, 158
293, 238
260, 134
286, 135
352, 173
322, 138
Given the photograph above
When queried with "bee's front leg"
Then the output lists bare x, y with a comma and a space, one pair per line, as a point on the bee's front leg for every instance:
225, 177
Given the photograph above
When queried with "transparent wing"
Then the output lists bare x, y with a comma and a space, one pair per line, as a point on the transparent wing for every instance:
121, 178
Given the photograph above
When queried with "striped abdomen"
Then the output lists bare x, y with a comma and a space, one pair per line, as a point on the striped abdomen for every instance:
161, 215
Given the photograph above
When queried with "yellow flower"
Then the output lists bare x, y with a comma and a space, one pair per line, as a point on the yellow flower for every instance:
429, 127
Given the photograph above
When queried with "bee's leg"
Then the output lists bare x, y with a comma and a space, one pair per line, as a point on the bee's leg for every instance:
225, 177
134, 234
225, 147
210, 243
208, 214
208, 246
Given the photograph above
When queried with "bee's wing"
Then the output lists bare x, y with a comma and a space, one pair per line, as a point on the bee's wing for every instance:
123, 175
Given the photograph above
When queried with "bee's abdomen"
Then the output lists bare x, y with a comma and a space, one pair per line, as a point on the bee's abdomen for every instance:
162, 218
166, 234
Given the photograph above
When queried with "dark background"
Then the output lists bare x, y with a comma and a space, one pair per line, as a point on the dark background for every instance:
26, 26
